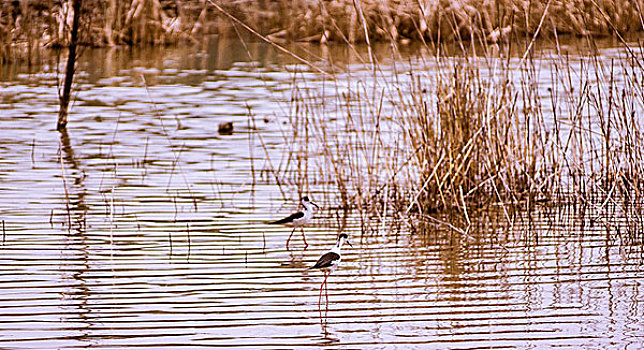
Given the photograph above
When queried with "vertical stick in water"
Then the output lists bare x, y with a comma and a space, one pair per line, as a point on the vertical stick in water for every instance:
145, 153
69, 71
174, 200
33, 147
170, 239
188, 231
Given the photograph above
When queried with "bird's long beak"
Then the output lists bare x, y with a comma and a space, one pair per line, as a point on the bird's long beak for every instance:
349, 243
317, 206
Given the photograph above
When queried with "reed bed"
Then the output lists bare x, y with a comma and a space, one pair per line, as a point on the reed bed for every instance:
446, 136
29, 25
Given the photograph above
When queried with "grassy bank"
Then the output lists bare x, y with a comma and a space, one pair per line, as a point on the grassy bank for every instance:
26, 25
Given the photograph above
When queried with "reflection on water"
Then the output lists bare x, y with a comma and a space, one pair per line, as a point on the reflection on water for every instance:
142, 226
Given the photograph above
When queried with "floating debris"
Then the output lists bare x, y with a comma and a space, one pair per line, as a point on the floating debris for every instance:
226, 128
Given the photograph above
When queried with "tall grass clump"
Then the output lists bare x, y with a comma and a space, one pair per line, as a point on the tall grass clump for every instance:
472, 144
455, 134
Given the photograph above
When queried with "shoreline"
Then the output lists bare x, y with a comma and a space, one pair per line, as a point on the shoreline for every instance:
163, 22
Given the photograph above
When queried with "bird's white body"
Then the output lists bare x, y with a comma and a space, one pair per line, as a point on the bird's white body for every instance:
298, 219
307, 210
334, 264
329, 261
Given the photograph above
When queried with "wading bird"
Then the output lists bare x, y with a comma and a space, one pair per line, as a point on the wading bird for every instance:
298, 219
328, 262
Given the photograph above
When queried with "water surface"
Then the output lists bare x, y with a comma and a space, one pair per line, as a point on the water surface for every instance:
144, 227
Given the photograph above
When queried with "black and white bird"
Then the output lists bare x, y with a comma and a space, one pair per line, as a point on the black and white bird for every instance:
328, 262
298, 219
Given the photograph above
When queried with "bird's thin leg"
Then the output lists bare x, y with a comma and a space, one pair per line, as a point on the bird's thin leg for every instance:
321, 287
326, 294
289, 237
306, 245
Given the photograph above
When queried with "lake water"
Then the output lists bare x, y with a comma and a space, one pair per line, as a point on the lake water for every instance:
144, 227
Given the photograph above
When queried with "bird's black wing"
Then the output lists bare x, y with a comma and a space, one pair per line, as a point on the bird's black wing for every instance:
326, 260
289, 218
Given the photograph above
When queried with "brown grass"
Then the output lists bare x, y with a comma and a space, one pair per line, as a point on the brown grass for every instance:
472, 130
26, 25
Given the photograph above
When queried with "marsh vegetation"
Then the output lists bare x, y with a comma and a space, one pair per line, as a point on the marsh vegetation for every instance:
460, 133
485, 159
26, 26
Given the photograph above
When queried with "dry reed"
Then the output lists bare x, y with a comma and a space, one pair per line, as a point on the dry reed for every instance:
27, 25
461, 133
